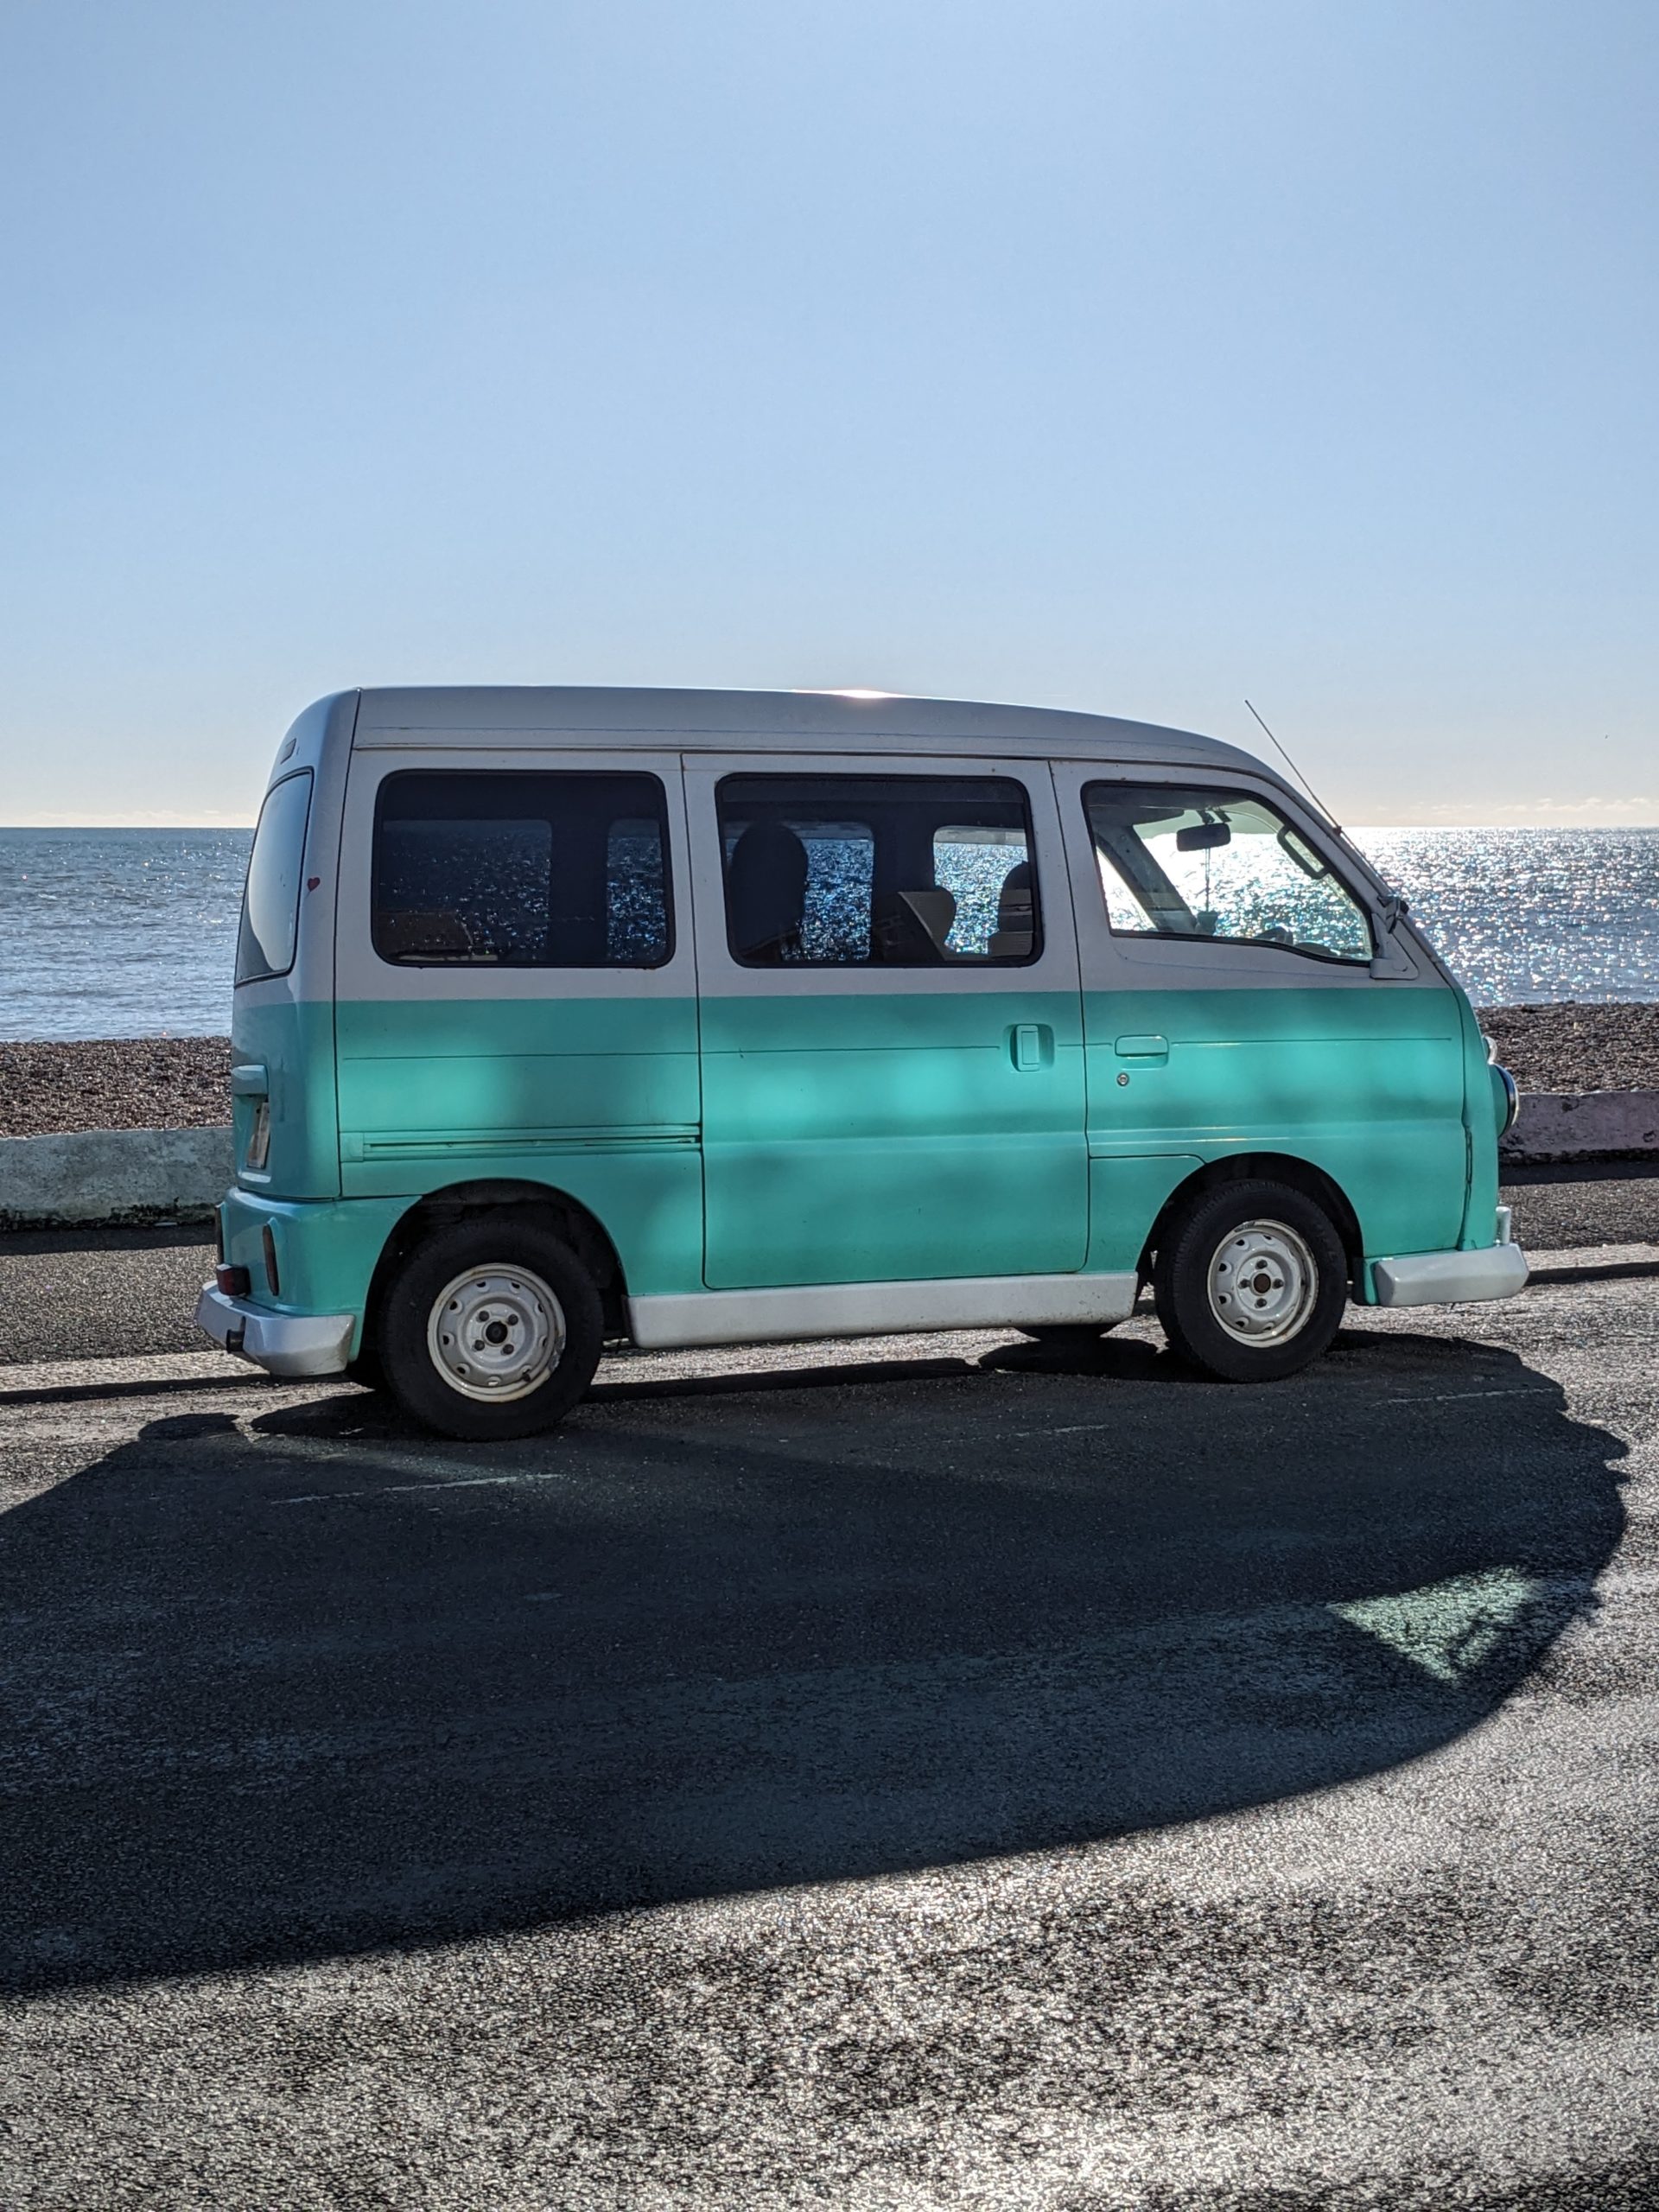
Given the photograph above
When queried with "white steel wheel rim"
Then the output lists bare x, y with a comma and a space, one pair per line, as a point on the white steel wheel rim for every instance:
1263, 1281
496, 1333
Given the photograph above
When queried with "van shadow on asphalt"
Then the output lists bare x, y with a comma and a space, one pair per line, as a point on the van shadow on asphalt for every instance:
316, 1685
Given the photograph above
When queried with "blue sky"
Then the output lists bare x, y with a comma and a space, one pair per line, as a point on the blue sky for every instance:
1133, 357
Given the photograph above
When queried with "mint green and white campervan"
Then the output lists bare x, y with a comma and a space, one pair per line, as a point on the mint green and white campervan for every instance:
686, 1018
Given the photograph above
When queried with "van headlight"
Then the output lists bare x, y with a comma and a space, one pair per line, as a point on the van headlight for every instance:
1505, 1098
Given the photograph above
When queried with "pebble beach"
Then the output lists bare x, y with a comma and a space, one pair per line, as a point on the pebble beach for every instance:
182, 1082
114, 1082
1576, 1046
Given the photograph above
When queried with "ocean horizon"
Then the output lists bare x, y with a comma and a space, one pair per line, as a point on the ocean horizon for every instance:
131, 932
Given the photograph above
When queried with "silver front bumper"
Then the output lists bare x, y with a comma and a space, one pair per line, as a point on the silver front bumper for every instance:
283, 1343
1450, 1278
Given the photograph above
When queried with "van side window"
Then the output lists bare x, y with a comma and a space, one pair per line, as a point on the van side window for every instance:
1181, 862
270, 897
554, 869
878, 871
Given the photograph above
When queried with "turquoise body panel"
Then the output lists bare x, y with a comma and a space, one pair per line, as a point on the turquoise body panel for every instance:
1367, 1084
833, 1137
595, 1098
295, 1045
855, 1138
1482, 1116
1126, 1196
326, 1250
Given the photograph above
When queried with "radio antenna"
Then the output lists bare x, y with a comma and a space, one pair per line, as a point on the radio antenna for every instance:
1301, 778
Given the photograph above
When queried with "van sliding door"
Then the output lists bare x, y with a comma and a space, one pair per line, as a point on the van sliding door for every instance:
891, 1021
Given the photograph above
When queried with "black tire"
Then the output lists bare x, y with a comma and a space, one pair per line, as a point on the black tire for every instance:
525, 1284
1293, 1304
366, 1370
1068, 1335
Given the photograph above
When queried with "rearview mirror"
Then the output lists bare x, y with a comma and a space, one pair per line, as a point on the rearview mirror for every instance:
1203, 837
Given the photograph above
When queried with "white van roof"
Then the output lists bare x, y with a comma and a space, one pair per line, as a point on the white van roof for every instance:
739, 721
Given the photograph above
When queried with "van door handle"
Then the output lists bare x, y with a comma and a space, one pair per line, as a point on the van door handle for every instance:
1142, 1048
1031, 1044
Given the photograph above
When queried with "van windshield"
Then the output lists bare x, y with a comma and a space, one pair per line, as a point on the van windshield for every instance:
1222, 865
271, 903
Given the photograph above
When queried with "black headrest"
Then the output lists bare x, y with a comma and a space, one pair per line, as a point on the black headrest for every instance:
1014, 905
766, 892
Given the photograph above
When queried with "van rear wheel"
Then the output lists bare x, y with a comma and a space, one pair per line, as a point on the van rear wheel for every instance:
492, 1329
1250, 1281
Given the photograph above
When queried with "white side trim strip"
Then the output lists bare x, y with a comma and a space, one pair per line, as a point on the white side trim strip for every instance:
1450, 1278
876, 1309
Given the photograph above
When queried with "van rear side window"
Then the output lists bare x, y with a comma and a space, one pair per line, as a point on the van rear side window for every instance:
271, 898
554, 869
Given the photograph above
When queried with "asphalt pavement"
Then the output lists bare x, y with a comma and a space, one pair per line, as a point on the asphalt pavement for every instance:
920, 1774
98, 1294
82, 1295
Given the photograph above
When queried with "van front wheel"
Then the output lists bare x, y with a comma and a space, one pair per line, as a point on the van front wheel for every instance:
493, 1329
1250, 1281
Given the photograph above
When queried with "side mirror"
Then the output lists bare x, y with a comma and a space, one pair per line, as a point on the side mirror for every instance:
1203, 837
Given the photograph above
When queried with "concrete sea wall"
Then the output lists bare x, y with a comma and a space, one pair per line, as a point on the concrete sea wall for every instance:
112, 1176
108, 1177
1583, 1125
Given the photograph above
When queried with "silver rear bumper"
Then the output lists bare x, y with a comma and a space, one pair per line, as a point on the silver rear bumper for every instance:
283, 1343
1450, 1278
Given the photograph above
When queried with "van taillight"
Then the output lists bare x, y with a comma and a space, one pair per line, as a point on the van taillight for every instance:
269, 1243
235, 1282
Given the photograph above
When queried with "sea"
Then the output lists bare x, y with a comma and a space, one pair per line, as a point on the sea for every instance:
132, 932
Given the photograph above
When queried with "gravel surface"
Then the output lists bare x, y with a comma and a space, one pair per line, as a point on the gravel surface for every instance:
117, 1083
180, 1083
1555, 1211
1577, 1047
98, 1294
922, 1775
